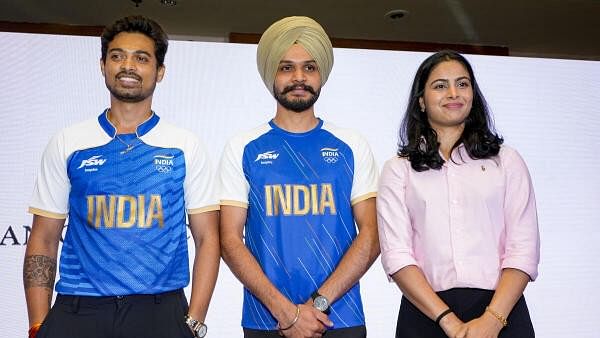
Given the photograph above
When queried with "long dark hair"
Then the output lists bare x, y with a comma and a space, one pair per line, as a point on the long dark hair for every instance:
418, 140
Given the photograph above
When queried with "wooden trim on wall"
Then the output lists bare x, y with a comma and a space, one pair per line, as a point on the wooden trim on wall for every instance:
391, 45
54, 28
50, 28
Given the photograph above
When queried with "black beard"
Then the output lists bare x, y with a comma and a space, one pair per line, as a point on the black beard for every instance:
298, 105
128, 97
125, 96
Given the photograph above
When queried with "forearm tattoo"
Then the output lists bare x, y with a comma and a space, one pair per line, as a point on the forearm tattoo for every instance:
39, 271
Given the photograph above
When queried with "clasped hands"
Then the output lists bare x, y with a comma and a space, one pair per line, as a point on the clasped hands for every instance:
485, 326
311, 322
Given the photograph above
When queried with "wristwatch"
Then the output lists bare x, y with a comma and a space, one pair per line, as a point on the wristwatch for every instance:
320, 302
198, 328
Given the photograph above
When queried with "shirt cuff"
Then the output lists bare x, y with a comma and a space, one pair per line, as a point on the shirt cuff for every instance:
394, 260
530, 268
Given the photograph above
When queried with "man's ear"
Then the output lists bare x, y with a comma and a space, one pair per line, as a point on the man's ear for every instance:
102, 67
161, 72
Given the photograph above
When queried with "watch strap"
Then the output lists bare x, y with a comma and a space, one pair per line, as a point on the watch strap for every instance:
196, 326
315, 295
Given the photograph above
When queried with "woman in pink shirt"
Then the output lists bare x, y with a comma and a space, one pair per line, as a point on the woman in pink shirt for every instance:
456, 212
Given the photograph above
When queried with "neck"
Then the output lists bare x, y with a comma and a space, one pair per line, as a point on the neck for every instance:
447, 137
126, 117
295, 122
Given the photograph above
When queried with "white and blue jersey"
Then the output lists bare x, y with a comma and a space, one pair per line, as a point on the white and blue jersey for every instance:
299, 189
126, 209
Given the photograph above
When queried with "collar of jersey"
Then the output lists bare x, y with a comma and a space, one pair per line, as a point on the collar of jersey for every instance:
289, 133
141, 130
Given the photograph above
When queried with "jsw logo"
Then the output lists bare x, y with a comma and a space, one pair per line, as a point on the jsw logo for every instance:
269, 155
92, 161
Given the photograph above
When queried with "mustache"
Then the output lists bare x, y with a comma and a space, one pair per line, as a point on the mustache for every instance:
299, 86
128, 74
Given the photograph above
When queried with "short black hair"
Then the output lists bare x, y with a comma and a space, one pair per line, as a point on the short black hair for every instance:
137, 24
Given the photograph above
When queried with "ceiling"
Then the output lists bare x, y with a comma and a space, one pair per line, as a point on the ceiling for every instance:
541, 28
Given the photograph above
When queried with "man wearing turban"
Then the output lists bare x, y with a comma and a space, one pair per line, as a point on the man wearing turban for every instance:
291, 192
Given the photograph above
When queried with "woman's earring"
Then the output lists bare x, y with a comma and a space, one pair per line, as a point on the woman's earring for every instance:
422, 144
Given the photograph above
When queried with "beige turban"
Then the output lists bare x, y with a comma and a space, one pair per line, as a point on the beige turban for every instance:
281, 35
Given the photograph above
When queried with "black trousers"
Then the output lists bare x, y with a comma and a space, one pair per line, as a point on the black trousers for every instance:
467, 304
349, 332
135, 316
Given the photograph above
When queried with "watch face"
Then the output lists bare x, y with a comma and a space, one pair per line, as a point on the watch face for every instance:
321, 303
201, 331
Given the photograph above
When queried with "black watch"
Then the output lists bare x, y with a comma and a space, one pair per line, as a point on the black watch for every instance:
320, 302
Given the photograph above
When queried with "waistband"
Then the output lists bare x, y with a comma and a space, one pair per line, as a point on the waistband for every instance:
77, 301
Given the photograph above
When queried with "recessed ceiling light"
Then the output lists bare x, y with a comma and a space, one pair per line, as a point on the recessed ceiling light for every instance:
396, 14
169, 3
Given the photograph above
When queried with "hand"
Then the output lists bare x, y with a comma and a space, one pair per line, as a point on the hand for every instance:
311, 323
452, 325
485, 326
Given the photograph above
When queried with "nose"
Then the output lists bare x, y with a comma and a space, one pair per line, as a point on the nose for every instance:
299, 75
452, 92
128, 64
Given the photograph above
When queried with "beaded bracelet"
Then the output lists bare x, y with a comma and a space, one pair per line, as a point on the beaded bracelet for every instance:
293, 321
498, 316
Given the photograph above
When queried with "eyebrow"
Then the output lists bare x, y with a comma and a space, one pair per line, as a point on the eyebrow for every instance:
290, 61
139, 51
458, 79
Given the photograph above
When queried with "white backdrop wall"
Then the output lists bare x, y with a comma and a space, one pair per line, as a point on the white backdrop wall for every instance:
547, 109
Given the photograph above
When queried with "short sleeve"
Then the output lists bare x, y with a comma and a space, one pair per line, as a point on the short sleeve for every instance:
52, 185
364, 185
199, 183
233, 185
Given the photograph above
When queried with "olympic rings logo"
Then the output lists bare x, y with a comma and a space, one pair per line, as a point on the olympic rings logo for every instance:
330, 159
164, 169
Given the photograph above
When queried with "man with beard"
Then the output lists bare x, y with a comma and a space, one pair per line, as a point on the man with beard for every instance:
125, 180
293, 189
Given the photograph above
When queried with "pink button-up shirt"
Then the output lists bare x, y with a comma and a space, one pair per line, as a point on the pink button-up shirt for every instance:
462, 224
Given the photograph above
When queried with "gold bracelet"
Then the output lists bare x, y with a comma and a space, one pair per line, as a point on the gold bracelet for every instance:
293, 321
498, 316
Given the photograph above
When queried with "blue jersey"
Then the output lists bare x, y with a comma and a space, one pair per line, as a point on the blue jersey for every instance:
126, 198
299, 189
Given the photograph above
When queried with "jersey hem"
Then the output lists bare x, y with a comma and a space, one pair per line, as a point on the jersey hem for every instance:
49, 214
234, 203
214, 207
363, 197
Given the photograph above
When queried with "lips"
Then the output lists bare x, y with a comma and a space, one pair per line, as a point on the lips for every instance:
296, 88
454, 105
128, 78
